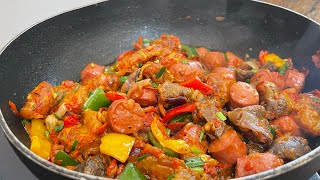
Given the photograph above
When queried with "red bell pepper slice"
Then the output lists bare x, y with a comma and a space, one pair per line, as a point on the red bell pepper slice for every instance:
178, 110
13, 108
197, 84
70, 121
262, 54
115, 96
127, 53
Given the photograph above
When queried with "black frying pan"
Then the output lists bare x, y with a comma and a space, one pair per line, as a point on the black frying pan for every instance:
58, 48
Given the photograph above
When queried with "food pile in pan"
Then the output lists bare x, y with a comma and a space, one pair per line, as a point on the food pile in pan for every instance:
165, 110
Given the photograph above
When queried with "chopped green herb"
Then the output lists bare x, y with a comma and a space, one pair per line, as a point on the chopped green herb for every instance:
126, 91
62, 97
146, 40
143, 156
191, 51
26, 121
248, 81
160, 72
273, 131
283, 68
47, 134
201, 136
123, 79
168, 131
154, 85
254, 70
65, 159
221, 116
56, 116
59, 128
225, 57
196, 150
194, 162
315, 100
76, 88
171, 176
199, 170
139, 64
109, 71
181, 118
74, 145
185, 62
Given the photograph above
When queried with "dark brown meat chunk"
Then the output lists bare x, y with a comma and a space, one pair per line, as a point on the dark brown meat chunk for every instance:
206, 107
251, 119
274, 102
290, 147
94, 165
243, 75
39, 101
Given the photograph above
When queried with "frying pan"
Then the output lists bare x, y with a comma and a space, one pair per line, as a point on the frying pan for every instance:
58, 48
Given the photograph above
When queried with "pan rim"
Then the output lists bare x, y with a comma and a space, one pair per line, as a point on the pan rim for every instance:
78, 175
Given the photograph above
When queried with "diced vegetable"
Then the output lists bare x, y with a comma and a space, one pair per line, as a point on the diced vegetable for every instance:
225, 57
71, 120
47, 134
185, 62
112, 96
160, 72
146, 42
197, 84
194, 162
64, 159
191, 51
278, 62
158, 130
273, 131
51, 121
201, 136
97, 100
283, 68
131, 172
198, 170
123, 79
74, 145
178, 110
143, 156
117, 146
181, 118
59, 127
61, 111
39, 143
196, 150
171, 176
221, 116
26, 121
154, 85
156, 143
109, 71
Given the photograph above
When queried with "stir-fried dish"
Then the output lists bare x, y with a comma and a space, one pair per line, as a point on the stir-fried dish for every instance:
165, 110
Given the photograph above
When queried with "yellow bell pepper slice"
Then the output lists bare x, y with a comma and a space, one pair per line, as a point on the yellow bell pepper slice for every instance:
275, 59
117, 146
178, 145
39, 143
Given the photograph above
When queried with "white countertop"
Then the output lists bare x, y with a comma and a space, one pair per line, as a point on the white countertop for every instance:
18, 15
